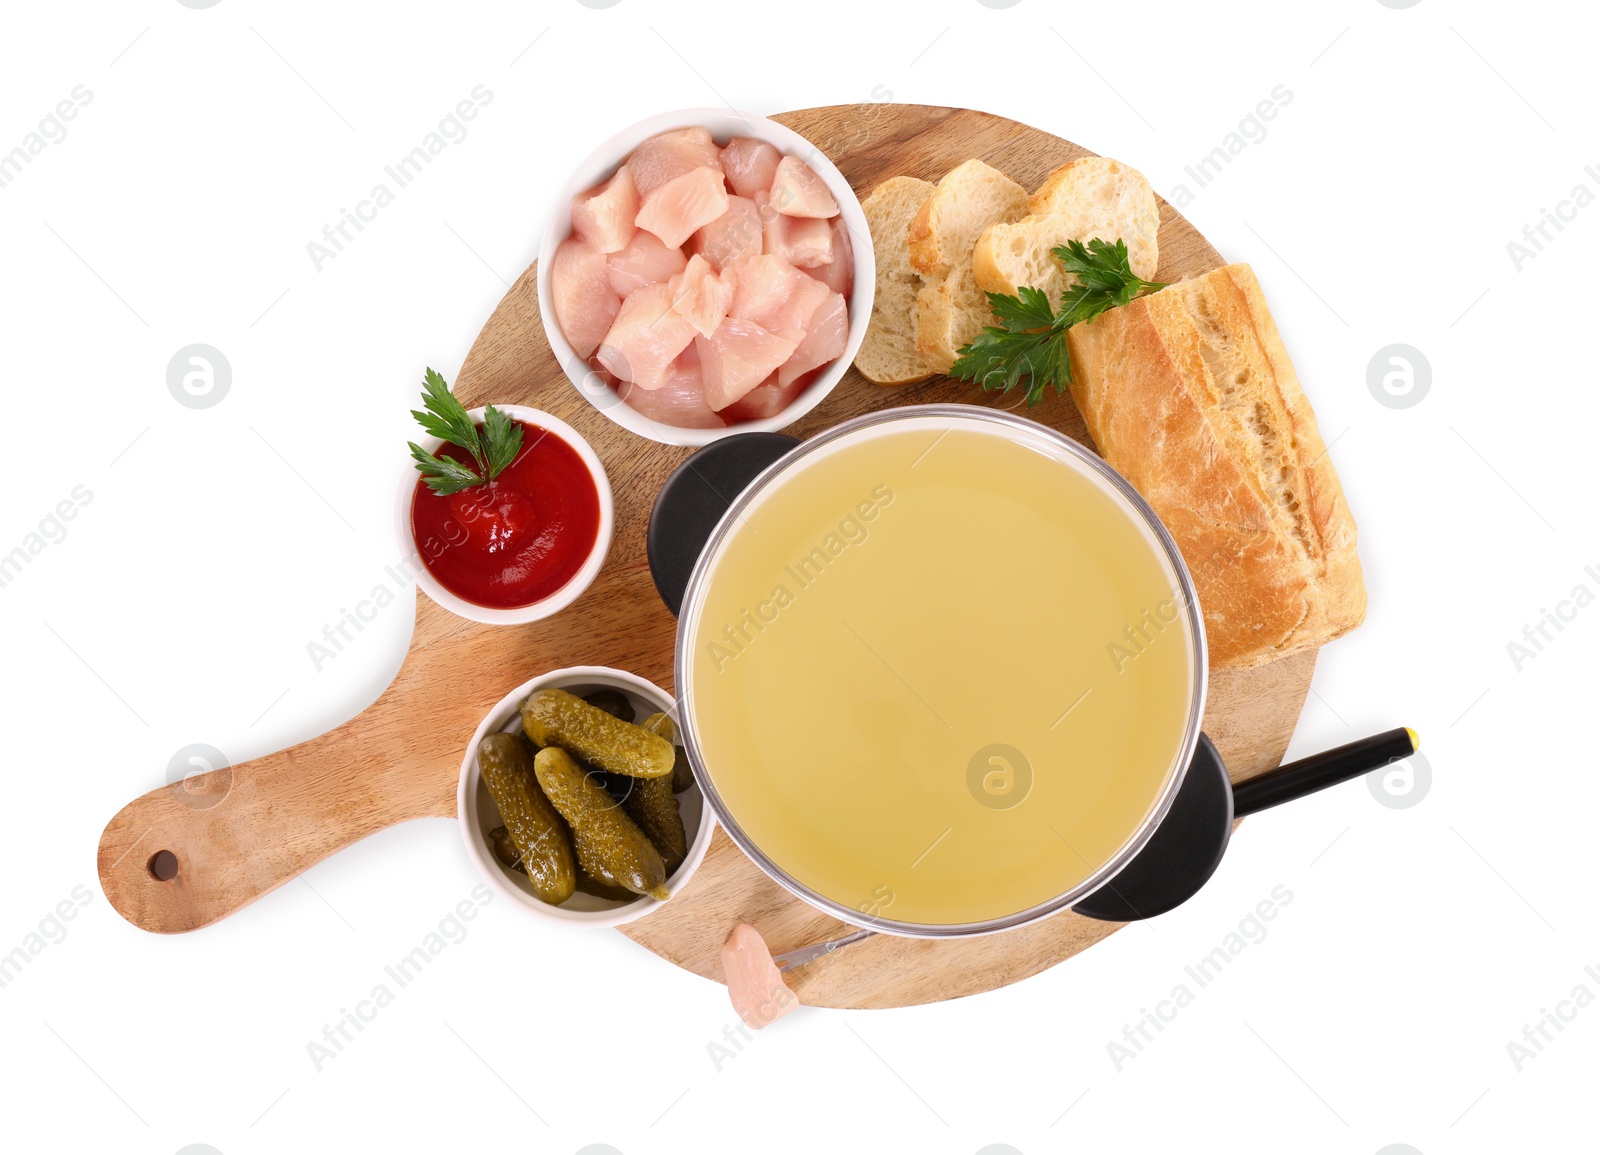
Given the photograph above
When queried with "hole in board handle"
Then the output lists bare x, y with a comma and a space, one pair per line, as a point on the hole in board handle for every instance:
163, 866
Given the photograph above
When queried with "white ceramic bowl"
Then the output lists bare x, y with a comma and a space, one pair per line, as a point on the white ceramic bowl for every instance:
724, 124
479, 815
544, 607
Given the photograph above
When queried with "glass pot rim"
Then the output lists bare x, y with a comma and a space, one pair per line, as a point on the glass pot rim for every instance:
952, 415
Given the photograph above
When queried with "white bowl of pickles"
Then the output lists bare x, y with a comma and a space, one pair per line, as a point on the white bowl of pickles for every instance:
576, 801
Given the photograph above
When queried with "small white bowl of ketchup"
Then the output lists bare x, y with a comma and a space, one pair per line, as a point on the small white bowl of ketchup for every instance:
520, 547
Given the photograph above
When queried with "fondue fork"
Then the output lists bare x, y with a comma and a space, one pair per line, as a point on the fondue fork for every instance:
794, 959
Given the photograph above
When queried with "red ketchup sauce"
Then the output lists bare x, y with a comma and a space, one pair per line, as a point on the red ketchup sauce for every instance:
517, 539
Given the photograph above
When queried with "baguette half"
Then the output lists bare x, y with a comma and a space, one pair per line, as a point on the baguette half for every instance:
1093, 196
951, 309
1190, 394
888, 355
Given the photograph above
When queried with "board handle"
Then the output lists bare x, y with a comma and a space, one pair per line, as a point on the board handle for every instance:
187, 854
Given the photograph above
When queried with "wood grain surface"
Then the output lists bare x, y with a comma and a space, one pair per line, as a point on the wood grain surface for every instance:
240, 832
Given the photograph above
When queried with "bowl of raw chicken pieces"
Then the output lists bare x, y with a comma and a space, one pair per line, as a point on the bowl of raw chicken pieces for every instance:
705, 272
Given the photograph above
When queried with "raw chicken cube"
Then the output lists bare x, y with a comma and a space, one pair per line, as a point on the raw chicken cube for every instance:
681, 400
668, 156
760, 284
598, 377
797, 191
763, 202
755, 984
644, 260
840, 273
736, 233
777, 296
749, 165
793, 318
699, 294
767, 399
684, 204
805, 242
737, 358
824, 340
603, 216
585, 303
646, 337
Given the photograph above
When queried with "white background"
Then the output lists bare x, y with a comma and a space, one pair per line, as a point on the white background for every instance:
218, 542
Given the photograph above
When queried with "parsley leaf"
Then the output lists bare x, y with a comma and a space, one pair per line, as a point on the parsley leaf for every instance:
444, 417
1030, 342
502, 438
493, 445
445, 475
1029, 309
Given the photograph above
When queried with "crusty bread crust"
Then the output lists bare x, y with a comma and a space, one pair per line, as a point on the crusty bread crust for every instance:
1190, 394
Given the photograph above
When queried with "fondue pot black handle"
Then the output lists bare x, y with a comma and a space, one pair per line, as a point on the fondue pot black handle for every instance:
1188, 845
694, 499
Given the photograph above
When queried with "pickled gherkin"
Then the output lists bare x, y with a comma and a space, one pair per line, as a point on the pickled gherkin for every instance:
659, 723
535, 826
613, 702
506, 850
654, 806
586, 851
556, 718
589, 884
682, 776
610, 845
619, 786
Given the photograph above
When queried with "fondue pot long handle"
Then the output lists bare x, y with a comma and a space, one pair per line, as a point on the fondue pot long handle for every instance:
1297, 779
1188, 845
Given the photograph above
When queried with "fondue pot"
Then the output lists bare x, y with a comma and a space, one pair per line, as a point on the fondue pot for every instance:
728, 502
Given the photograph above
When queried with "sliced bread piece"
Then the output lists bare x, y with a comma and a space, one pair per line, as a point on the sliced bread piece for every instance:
1094, 196
951, 309
888, 354
968, 199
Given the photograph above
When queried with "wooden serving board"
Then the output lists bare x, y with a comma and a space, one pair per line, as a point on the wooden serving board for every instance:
238, 833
